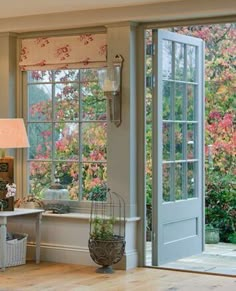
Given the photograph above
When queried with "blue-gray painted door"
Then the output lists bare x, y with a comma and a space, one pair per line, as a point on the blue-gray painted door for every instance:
178, 155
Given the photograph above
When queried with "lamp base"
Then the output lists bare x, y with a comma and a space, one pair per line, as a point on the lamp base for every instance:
6, 177
7, 204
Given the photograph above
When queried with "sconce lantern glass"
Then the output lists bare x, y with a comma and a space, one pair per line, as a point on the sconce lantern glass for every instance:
110, 82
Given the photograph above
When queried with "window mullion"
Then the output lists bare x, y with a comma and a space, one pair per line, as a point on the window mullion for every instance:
80, 141
53, 126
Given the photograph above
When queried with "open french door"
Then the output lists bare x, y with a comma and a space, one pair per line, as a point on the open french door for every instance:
178, 155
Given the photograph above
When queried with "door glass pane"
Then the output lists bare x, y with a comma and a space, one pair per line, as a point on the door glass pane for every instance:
178, 181
179, 101
191, 141
178, 141
167, 60
191, 180
166, 182
166, 92
191, 63
179, 61
166, 141
191, 93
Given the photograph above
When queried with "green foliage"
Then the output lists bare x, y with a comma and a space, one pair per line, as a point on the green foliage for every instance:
102, 229
232, 238
220, 121
220, 211
98, 193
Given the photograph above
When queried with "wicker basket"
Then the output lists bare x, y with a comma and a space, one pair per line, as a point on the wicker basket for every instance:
16, 250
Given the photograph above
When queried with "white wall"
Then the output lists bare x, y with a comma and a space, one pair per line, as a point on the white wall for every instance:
98, 17
63, 239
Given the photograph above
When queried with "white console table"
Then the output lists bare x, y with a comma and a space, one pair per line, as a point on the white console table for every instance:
37, 213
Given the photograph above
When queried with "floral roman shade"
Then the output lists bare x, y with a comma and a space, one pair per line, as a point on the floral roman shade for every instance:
67, 52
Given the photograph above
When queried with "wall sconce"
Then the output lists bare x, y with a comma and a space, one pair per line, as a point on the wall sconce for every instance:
110, 81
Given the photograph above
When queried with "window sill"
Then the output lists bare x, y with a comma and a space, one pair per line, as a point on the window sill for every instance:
82, 216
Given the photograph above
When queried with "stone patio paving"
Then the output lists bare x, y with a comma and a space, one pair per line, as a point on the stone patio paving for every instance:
217, 258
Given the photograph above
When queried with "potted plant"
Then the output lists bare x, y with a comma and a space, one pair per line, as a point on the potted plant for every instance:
29, 201
107, 231
212, 235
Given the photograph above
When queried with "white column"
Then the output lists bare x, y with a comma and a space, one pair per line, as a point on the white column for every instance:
122, 161
8, 75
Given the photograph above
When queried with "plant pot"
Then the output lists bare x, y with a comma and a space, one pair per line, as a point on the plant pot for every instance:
106, 252
212, 236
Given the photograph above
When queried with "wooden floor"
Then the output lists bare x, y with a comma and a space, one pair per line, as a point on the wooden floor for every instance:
65, 277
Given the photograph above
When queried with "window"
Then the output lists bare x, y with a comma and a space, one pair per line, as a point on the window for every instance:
67, 128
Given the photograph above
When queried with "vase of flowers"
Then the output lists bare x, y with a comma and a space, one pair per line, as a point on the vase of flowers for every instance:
7, 203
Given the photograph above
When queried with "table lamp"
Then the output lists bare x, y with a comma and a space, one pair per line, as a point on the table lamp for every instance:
12, 135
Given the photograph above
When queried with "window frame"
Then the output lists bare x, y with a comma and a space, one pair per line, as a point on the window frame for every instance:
74, 203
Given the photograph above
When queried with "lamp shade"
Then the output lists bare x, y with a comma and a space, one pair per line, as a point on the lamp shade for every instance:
13, 133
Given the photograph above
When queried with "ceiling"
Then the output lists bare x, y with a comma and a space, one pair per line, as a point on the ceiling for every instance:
16, 8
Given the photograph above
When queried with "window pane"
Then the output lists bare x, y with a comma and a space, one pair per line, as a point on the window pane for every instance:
40, 140
66, 137
66, 75
94, 136
94, 103
67, 101
94, 178
40, 102
39, 76
67, 173
39, 177
87, 75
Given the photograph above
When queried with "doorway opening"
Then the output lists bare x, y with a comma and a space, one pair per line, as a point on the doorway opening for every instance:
218, 185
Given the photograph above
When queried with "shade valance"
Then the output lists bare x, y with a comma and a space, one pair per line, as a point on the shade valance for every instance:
67, 52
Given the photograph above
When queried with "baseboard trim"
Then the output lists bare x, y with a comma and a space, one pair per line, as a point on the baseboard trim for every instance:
77, 255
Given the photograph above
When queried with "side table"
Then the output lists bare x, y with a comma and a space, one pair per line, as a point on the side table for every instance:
36, 213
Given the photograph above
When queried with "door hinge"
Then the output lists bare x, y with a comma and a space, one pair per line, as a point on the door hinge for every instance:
150, 81
153, 236
150, 49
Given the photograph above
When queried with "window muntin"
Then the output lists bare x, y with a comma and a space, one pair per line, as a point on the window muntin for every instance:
67, 127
